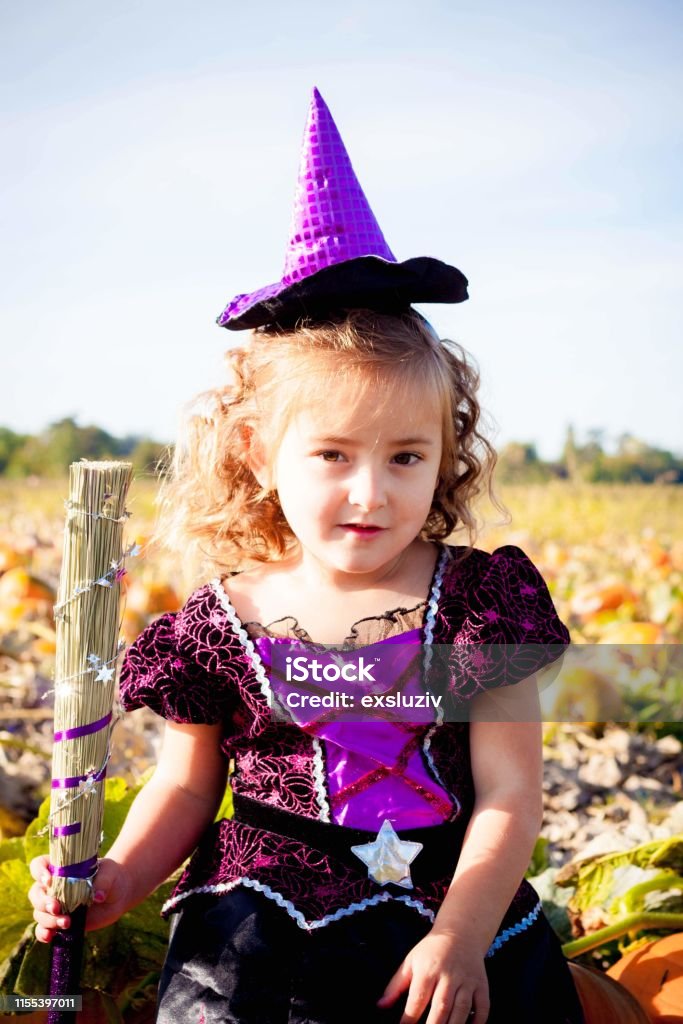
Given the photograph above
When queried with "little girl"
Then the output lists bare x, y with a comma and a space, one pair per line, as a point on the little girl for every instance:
372, 871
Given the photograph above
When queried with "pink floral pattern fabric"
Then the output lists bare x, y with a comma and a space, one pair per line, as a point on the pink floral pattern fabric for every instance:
193, 666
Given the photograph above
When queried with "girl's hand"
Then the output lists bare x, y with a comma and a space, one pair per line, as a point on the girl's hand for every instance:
442, 970
112, 891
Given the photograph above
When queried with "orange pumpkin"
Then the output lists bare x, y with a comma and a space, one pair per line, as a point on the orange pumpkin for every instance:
654, 975
596, 597
603, 1000
151, 598
583, 695
132, 624
657, 556
10, 558
631, 633
18, 585
162, 598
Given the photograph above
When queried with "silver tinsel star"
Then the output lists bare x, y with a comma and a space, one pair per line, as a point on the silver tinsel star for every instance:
105, 675
87, 785
388, 857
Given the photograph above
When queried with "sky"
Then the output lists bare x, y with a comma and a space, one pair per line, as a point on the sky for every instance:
150, 158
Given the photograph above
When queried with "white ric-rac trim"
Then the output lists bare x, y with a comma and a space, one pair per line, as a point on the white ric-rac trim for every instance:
260, 672
515, 929
430, 620
244, 639
319, 780
296, 915
435, 594
432, 609
352, 908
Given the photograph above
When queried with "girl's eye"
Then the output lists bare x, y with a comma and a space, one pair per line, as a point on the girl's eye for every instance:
407, 458
331, 456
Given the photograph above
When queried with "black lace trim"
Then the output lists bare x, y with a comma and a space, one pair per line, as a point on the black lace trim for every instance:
352, 636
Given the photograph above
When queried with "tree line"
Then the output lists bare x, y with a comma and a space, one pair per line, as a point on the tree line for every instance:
632, 461
50, 453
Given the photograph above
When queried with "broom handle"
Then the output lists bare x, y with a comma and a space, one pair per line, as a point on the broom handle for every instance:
65, 971
87, 617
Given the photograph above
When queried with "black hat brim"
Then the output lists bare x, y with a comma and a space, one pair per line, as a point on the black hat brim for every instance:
366, 282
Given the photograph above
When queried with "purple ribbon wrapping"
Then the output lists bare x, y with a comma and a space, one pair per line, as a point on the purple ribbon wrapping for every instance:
83, 730
66, 830
83, 869
73, 780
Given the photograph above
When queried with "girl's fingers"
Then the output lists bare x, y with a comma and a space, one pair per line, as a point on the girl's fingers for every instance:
416, 1003
481, 1006
42, 900
462, 1009
44, 934
470, 1009
39, 870
397, 984
47, 913
50, 921
442, 1004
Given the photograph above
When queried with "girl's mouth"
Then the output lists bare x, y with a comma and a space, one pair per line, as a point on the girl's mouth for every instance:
361, 529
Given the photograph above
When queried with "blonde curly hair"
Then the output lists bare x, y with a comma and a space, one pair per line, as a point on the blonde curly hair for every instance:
213, 509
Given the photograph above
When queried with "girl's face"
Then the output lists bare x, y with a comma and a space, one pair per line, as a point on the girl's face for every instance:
356, 484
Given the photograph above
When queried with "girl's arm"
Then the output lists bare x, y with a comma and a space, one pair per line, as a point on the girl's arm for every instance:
447, 967
506, 752
163, 826
172, 811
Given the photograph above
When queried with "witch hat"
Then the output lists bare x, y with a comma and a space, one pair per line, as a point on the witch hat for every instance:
337, 257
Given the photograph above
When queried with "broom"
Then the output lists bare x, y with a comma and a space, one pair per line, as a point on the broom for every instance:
87, 617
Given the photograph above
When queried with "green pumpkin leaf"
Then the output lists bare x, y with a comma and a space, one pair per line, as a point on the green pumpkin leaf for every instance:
225, 810
555, 901
17, 913
539, 858
123, 960
599, 881
12, 849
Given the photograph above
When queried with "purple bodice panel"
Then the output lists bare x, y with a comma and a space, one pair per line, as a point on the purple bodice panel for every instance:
372, 770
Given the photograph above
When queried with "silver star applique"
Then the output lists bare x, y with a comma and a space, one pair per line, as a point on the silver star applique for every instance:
388, 858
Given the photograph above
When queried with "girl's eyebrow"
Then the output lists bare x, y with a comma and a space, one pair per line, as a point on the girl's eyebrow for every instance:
350, 442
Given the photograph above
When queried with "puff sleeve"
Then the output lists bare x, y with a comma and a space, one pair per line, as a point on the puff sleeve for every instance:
510, 630
175, 668
512, 604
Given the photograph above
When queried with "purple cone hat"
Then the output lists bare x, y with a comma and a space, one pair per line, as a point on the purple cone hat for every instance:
337, 257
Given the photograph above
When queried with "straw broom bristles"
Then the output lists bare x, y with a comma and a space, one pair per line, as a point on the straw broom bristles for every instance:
88, 621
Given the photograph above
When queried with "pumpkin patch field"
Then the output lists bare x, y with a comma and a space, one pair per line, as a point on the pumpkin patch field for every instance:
609, 863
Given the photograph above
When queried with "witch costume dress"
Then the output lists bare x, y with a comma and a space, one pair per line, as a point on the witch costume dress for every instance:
276, 919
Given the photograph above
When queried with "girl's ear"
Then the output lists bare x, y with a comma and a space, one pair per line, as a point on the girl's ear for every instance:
255, 458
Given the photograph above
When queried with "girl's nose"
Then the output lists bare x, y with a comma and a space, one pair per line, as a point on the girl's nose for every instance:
367, 490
